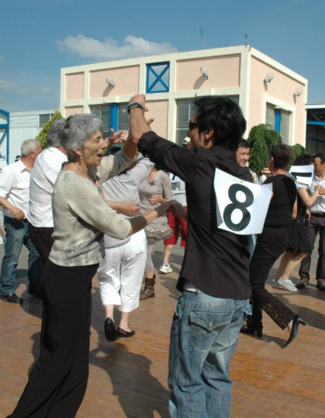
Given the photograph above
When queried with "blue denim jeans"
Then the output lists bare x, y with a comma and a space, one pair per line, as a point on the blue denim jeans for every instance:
16, 236
204, 335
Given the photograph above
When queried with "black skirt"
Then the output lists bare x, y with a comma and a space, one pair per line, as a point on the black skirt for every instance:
299, 241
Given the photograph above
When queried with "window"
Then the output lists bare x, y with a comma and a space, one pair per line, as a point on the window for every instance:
284, 126
43, 119
185, 110
123, 117
113, 116
279, 120
104, 113
158, 78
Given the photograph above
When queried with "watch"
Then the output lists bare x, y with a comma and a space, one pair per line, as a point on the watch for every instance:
133, 105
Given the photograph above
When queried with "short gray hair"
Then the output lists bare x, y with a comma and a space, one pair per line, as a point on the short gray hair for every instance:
30, 145
76, 131
53, 138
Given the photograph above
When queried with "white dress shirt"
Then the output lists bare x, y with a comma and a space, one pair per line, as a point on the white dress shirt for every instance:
319, 205
14, 186
43, 177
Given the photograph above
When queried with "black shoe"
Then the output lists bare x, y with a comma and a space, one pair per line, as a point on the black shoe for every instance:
302, 284
35, 293
294, 330
251, 331
11, 298
121, 333
110, 331
321, 285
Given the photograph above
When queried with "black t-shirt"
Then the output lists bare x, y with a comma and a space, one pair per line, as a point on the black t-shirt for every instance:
284, 195
215, 261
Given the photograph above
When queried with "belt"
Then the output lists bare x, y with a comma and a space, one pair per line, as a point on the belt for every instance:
319, 214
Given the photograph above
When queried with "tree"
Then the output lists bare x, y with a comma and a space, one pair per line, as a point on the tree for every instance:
43, 134
261, 139
297, 150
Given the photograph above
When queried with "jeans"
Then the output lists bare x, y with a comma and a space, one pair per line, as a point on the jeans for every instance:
16, 236
204, 335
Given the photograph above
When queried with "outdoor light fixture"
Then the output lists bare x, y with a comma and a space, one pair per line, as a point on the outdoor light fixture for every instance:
268, 78
298, 92
110, 82
204, 72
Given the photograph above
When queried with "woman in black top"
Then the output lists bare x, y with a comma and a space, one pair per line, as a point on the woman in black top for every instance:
270, 244
299, 243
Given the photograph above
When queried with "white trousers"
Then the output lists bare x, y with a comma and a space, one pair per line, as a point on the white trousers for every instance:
121, 272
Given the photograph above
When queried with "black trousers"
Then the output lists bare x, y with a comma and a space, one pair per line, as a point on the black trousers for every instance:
42, 239
58, 380
269, 246
316, 225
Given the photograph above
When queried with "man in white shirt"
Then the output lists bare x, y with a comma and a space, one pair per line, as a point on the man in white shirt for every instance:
42, 180
14, 197
316, 225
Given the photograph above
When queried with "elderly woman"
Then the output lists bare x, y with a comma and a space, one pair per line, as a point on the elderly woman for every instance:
58, 380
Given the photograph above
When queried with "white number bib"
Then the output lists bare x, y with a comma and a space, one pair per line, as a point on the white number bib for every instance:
241, 206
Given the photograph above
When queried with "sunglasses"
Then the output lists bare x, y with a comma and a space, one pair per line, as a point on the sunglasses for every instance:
192, 125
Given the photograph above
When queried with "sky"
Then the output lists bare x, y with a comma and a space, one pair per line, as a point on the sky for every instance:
39, 37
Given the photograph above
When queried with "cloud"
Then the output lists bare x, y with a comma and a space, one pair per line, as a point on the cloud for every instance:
14, 88
110, 49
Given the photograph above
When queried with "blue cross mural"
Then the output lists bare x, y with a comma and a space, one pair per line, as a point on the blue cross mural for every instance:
158, 77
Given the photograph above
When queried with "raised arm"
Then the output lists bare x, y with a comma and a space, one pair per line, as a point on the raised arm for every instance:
138, 124
305, 196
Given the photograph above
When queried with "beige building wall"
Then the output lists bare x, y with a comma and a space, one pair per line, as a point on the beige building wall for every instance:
234, 71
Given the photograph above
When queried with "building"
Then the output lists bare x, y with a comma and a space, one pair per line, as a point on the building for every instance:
267, 91
315, 140
20, 126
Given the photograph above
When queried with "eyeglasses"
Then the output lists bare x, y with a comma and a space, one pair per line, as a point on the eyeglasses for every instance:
192, 125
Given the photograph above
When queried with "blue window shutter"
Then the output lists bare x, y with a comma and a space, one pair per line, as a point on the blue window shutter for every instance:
277, 123
114, 116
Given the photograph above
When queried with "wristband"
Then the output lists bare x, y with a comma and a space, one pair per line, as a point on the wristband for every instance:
133, 105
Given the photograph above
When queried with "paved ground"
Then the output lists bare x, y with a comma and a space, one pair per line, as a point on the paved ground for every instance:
129, 378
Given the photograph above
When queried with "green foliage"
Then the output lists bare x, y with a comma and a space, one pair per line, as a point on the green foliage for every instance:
43, 134
261, 139
296, 151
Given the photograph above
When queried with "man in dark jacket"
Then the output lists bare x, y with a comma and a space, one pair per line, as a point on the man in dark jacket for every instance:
214, 276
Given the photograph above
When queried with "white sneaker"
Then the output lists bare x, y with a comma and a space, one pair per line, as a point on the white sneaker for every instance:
165, 269
287, 284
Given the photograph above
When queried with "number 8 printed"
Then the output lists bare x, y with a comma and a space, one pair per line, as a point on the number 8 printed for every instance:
242, 206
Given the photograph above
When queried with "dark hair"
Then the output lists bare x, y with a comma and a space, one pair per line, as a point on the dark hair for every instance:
320, 156
243, 144
222, 115
282, 156
303, 159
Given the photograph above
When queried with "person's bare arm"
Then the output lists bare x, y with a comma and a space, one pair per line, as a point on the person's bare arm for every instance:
305, 196
137, 122
127, 208
295, 210
146, 218
18, 213
153, 200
